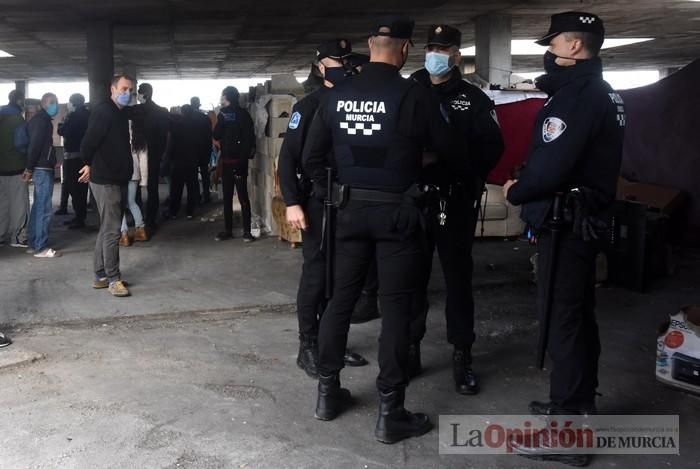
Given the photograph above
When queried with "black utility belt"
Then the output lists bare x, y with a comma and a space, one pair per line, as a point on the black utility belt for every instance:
342, 194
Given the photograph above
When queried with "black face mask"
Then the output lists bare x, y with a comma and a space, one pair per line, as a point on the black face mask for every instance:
552, 67
336, 75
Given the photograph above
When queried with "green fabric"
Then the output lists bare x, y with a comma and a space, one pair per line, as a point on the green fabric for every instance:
11, 159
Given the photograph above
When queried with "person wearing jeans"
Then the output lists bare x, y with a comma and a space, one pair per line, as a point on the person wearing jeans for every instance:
138, 178
106, 151
41, 161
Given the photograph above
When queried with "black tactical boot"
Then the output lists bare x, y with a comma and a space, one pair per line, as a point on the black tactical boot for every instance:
307, 359
415, 366
332, 399
465, 379
366, 308
395, 423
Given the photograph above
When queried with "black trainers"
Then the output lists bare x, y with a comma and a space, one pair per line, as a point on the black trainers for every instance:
224, 235
395, 423
550, 408
4, 340
248, 238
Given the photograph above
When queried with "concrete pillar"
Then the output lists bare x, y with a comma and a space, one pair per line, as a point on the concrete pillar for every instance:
22, 85
100, 59
668, 71
493, 59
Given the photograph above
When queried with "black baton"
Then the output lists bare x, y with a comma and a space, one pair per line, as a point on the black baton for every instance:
555, 226
328, 232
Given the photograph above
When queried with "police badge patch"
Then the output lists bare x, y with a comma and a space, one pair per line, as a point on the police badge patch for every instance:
294, 121
552, 128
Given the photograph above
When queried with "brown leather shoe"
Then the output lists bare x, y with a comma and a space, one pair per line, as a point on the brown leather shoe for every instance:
124, 241
140, 234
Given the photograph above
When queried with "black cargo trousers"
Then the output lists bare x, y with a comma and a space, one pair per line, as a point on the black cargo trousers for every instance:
454, 242
573, 342
364, 233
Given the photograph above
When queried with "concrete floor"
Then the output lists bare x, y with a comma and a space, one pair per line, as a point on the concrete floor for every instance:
197, 369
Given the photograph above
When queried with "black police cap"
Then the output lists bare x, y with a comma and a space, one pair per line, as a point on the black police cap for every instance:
573, 21
399, 27
444, 36
335, 49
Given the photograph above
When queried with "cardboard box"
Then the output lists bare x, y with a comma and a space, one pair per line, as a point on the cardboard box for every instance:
281, 105
661, 199
277, 126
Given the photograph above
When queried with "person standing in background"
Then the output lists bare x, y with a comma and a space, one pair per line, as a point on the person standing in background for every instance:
72, 129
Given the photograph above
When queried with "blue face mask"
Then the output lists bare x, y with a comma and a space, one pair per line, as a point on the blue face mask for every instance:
437, 64
52, 109
123, 99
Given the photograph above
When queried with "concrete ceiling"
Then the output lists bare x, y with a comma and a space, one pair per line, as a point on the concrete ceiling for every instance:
243, 38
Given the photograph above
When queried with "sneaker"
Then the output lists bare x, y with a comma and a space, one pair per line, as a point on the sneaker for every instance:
118, 289
248, 238
47, 253
4, 340
224, 235
189, 217
100, 283
19, 244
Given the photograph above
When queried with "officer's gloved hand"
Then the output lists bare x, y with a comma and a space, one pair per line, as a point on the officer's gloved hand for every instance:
408, 217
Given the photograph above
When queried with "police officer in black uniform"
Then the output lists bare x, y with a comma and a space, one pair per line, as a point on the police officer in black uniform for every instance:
454, 187
576, 151
377, 125
305, 207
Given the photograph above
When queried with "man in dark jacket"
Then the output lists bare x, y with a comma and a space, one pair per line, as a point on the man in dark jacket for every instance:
182, 159
41, 163
156, 123
455, 185
72, 129
201, 127
576, 153
236, 133
106, 152
14, 191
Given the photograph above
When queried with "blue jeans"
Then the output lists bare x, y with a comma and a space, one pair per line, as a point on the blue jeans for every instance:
133, 208
40, 216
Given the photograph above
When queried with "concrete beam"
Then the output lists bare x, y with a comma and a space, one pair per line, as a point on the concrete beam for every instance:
100, 59
493, 57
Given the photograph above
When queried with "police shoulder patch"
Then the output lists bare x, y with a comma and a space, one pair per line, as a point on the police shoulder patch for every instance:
552, 129
294, 120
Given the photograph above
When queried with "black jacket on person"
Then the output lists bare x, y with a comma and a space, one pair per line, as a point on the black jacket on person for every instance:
41, 152
476, 140
372, 147
199, 132
155, 121
236, 133
106, 147
577, 142
294, 185
73, 129
182, 154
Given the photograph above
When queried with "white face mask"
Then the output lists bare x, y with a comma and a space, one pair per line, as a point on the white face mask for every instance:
70, 107
141, 98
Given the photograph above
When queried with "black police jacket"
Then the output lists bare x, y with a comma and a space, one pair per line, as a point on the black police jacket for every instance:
577, 142
476, 140
289, 165
378, 124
